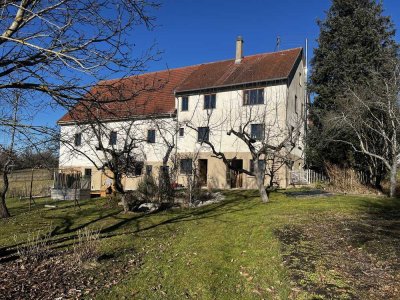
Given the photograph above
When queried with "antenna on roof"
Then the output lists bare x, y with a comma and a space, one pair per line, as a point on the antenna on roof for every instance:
278, 43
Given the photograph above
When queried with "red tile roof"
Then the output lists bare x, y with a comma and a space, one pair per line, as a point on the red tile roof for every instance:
153, 93
255, 68
143, 95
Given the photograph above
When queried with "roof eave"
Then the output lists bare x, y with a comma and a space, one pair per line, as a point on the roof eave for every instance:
107, 120
177, 92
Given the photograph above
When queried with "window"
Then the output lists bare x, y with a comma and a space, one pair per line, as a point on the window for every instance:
138, 168
186, 166
252, 97
261, 165
78, 139
151, 136
209, 101
257, 131
88, 172
185, 104
164, 170
149, 169
113, 138
295, 104
203, 134
181, 131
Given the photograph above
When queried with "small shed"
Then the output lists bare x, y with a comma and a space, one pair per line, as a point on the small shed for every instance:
70, 186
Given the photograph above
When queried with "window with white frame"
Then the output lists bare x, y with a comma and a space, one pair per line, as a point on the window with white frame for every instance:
185, 104
78, 139
253, 97
257, 132
210, 101
181, 132
186, 166
203, 134
151, 136
261, 165
113, 138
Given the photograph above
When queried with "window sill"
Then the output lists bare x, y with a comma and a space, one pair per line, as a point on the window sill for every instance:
253, 104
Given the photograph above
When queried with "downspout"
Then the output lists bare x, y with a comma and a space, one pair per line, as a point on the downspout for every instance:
176, 133
306, 101
286, 123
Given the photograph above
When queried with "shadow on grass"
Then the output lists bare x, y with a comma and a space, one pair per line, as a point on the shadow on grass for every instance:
379, 227
64, 234
362, 248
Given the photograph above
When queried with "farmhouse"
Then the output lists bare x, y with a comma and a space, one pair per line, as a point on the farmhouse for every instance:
174, 111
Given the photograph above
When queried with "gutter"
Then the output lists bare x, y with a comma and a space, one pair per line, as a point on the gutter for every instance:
183, 92
140, 117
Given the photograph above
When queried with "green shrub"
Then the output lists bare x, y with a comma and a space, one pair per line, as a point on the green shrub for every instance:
148, 188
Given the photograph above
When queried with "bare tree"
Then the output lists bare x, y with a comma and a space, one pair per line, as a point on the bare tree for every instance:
64, 39
188, 166
167, 132
371, 111
114, 130
55, 51
115, 148
261, 130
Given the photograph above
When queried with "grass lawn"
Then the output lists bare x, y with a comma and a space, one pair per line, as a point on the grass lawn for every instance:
291, 248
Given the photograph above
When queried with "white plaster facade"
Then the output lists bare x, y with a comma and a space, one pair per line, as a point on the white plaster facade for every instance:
284, 104
284, 107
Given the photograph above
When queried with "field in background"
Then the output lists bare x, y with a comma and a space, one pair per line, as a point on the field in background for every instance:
20, 182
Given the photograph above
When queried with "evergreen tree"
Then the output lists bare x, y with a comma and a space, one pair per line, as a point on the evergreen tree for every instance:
355, 42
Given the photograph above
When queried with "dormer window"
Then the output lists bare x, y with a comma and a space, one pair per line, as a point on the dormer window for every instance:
253, 97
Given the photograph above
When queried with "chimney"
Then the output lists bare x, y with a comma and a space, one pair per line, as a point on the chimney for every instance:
239, 50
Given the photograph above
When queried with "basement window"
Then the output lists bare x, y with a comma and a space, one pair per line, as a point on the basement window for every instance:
253, 97
186, 166
138, 170
78, 139
149, 170
261, 165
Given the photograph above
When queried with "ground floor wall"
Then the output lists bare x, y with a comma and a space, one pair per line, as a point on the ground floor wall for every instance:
212, 173
219, 176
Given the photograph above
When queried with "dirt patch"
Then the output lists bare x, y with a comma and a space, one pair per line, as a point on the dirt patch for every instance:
308, 194
56, 278
342, 257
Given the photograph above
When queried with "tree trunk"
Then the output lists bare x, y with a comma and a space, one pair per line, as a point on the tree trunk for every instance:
393, 179
260, 182
4, 213
118, 188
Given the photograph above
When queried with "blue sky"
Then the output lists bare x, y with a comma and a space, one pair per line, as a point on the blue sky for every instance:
198, 31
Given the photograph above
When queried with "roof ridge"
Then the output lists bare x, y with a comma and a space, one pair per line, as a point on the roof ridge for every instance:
198, 65
251, 55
